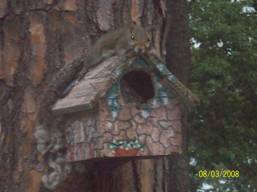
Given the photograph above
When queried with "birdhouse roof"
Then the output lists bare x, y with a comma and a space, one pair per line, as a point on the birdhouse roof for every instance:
94, 85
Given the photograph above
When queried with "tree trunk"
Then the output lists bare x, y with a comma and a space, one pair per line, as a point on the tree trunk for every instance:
37, 39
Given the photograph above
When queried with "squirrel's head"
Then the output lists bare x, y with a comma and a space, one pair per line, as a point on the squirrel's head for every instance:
139, 38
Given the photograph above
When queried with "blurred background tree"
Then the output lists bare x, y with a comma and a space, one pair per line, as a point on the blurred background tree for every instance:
224, 74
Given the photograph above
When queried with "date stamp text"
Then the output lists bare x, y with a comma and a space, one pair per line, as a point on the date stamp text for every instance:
218, 173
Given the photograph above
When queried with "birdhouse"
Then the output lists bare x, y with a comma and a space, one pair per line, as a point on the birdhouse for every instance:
124, 109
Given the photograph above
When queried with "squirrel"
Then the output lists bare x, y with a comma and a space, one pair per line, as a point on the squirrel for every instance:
130, 38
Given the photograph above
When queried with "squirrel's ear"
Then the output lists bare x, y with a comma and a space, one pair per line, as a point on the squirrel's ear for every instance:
132, 26
133, 22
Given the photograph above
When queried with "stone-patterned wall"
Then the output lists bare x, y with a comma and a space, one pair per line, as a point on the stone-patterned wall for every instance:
81, 136
125, 129
158, 132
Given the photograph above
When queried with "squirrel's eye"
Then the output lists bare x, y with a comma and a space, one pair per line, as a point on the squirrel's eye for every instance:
132, 36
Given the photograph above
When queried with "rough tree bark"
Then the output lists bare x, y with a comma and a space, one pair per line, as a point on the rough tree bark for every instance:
38, 38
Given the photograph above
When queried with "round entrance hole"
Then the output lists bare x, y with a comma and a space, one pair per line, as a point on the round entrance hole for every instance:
137, 85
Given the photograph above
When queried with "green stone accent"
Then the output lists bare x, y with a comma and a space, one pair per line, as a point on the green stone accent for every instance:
112, 100
125, 144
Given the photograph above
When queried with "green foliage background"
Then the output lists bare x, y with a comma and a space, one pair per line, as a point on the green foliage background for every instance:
224, 75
